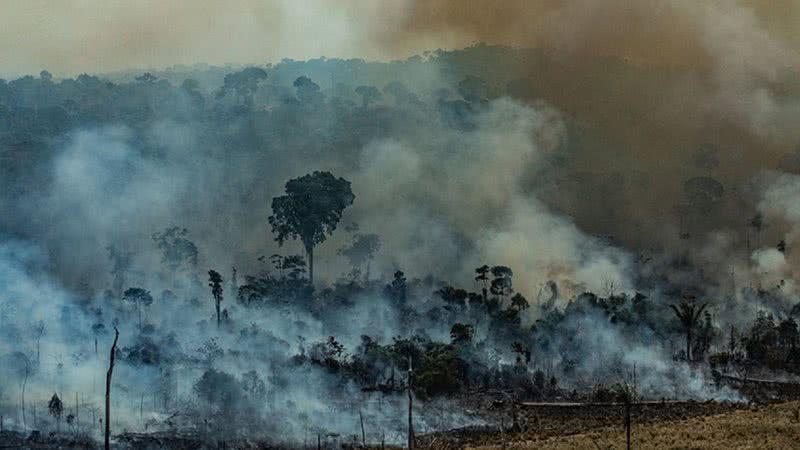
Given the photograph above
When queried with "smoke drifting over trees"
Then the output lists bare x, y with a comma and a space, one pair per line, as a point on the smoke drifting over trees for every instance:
283, 240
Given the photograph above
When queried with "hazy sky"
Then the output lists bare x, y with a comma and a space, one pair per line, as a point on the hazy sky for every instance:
68, 37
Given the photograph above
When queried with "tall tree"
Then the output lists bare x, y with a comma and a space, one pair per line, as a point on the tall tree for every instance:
38, 331
368, 95
361, 250
120, 263
110, 372
501, 283
139, 297
688, 313
177, 250
310, 211
483, 278
215, 283
244, 83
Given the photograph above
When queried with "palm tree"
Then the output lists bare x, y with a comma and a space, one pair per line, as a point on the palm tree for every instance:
215, 283
688, 313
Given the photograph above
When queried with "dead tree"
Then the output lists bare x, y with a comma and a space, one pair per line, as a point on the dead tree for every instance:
108, 388
24, 384
410, 406
363, 434
627, 422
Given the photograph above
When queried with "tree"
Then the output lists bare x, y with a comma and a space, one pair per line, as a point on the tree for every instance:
215, 283
501, 284
400, 93
788, 335
98, 329
146, 78
522, 352
461, 333
368, 95
397, 289
688, 313
483, 278
361, 250
452, 296
38, 332
177, 250
244, 83
139, 297
518, 302
56, 408
473, 89
110, 372
220, 391
254, 385
310, 211
293, 266
120, 263
308, 92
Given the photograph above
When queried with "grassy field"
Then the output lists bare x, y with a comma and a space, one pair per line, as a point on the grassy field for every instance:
769, 427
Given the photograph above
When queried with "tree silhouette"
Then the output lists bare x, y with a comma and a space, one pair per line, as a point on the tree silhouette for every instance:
461, 333
688, 313
310, 211
244, 83
368, 95
56, 408
146, 78
453, 296
308, 92
518, 302
361, 250
177, 250
501, 283
483, 278
139, 297
120, 263
397, 289
215, 283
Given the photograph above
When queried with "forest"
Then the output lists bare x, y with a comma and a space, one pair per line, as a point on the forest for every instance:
314, 252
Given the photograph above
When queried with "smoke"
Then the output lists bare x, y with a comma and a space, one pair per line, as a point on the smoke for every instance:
632, 156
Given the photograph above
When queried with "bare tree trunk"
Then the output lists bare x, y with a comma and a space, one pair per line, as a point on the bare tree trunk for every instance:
410, 406
628, 423
219, 318
108, 389
310, 253
363, 434
77, 415
24, 384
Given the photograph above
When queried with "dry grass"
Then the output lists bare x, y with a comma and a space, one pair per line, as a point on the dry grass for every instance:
770, 427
